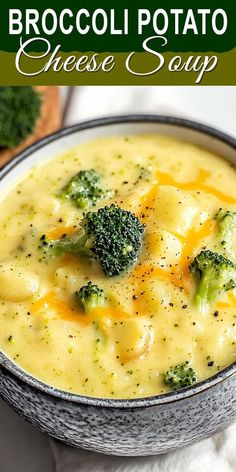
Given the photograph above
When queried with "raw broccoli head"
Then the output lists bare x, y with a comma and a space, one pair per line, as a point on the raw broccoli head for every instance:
180, 376
90, 296
215, 274
19, 110
226, 220
85, 189
111, 235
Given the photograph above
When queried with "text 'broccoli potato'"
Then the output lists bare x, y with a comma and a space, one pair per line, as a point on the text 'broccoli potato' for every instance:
118, 267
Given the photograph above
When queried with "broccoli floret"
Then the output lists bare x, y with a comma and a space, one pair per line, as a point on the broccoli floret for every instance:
227, 228
111, 235
180, 376
85, 189
215, 274
19, 110
226, 220
91, 296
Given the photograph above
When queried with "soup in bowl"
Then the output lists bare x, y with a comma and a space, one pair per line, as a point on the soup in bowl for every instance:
118, 275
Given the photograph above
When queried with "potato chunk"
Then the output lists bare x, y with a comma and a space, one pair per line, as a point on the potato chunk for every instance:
175, 209
67, 280
165, 247
133, 337
16, 283
155, 295
132, 200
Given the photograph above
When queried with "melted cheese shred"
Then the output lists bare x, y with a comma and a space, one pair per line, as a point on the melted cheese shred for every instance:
150, 321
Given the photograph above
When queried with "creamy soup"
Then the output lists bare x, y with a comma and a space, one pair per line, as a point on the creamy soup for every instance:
150, 320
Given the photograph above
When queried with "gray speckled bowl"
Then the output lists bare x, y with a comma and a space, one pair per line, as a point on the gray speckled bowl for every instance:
122, 427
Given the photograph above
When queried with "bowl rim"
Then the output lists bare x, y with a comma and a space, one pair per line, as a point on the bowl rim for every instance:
156, 400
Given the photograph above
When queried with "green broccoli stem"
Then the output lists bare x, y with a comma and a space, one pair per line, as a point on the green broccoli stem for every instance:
206, 293
76, 244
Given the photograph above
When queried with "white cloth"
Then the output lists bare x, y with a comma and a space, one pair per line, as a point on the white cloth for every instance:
216, 454
212, 105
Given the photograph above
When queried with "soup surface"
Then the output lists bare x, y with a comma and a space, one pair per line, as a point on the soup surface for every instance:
150, 320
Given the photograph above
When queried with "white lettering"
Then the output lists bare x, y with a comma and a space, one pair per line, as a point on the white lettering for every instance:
97, 13
176, 12
82, 12
203, 12
222, 13
144, 18
65, 12
47, 14
31, 20
190, 23
15, 17
146, 48
158, 13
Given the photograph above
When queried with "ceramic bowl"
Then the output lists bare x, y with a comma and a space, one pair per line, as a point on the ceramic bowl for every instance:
143, 426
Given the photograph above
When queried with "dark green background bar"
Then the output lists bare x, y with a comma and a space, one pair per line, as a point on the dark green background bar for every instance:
132, 42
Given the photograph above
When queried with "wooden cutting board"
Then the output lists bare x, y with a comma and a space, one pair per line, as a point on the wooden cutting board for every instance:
49, 121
